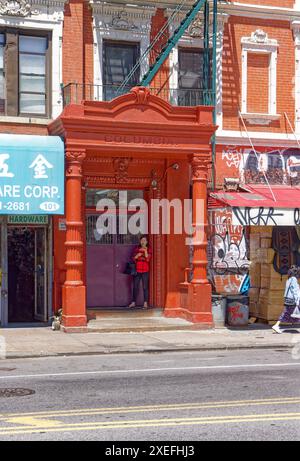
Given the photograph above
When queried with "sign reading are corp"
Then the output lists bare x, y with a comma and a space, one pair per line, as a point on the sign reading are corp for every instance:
31, 175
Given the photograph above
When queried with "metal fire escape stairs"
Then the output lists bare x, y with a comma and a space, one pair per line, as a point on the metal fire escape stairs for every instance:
209, 59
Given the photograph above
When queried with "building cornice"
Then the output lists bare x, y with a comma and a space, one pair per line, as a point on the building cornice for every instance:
27, 8
133, 11
233, 8
260, 11
259, 139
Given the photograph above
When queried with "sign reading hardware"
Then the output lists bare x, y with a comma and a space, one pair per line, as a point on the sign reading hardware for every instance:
31, 175
28, 219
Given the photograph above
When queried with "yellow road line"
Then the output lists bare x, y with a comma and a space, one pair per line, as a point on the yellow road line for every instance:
152, 408
154, 423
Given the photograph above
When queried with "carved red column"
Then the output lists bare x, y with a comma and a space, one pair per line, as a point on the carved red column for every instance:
199, 219
200, 289
74, 291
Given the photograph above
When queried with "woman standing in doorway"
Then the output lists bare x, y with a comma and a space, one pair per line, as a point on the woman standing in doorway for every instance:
141, 257
291, 299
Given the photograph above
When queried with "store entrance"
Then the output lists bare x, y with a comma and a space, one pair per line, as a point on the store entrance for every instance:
27, 274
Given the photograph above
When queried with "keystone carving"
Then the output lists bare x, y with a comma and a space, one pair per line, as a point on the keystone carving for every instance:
142, 94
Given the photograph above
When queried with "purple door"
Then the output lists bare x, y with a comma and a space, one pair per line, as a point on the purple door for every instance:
107, 256
107, 285
100, 275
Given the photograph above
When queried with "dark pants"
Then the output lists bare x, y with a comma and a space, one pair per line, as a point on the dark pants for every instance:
144, 276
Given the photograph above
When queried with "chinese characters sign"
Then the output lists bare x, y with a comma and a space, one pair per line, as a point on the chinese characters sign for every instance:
31, 175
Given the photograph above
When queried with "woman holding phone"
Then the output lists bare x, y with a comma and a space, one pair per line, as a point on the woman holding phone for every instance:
141, 258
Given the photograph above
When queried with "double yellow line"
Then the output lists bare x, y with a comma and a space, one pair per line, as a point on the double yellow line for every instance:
154, 408
36, 421
132, 424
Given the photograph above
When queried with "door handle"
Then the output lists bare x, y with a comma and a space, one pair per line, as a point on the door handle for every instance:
117, 266
4, 293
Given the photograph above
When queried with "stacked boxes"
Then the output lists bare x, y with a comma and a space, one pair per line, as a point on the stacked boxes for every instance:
267, 286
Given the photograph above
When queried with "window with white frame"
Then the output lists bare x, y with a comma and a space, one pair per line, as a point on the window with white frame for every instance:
25, 73
259, 62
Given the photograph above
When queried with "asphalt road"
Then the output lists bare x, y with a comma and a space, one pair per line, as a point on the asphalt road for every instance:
234, 395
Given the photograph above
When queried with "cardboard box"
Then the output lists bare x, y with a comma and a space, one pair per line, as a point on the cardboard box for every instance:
272, 296
265, 255
269, 311
253, 308
254, 294
267, 270
266, 242
255, 276
254, 244
273, 283
263, 231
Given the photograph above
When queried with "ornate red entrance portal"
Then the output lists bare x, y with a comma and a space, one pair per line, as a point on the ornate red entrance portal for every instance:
132, 143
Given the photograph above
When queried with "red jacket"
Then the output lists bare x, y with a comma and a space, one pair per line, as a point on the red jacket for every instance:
142, 263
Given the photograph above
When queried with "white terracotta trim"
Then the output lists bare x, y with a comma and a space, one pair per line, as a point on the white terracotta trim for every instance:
46, 17
260, 43
103, 29
239, 138
296, 30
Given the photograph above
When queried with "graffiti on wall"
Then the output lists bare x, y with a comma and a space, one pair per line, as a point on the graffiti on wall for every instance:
280, 166
266, 216
229, 245
229, 283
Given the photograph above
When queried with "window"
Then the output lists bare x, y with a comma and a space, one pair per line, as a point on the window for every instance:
191, 77
118, 61
32, 75
24, 74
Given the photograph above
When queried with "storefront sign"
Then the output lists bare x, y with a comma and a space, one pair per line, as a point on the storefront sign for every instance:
31, 175
28, 219
265, 216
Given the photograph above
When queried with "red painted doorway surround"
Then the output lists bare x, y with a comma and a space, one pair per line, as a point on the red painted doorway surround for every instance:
131, 142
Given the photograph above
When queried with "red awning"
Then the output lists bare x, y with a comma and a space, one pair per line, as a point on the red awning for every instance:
258, 196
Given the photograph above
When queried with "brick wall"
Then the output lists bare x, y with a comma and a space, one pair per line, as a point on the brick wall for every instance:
161, 80
237, 28
258, 83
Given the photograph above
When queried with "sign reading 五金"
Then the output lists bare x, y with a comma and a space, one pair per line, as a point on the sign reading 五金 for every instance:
31, 175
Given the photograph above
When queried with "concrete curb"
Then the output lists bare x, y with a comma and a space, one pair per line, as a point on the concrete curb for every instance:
13, 355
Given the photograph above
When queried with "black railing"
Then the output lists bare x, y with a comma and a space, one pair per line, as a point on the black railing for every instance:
74, 93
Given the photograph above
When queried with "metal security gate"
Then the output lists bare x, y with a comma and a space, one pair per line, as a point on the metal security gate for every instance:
26, 269
107, 255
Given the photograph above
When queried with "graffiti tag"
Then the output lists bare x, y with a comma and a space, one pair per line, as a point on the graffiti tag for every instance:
266, 216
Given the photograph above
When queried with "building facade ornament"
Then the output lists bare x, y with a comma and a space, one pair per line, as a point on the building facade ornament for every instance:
259, 37
15, 7
142, 94
121, 165
121, 21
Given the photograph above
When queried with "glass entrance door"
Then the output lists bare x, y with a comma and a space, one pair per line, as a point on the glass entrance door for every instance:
40, 275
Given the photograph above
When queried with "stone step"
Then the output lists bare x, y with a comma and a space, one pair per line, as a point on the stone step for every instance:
130, 323
121, 312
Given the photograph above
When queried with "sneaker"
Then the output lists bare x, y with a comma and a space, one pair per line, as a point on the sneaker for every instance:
277, 329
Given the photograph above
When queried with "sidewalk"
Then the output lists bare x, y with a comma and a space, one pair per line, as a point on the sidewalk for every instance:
42, 341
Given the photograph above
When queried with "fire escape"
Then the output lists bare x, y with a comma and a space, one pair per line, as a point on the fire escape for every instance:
156, 55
